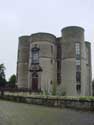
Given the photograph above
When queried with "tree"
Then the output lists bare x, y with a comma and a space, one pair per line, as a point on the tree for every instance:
2, 68
12, 81
2, 76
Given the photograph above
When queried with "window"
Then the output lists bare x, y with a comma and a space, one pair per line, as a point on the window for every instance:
77, 47
51, 82
35, 55
51, 54
52, 50
78, 66
35, 58
77, 62
78, 77
77, 50
51, 61
78, 88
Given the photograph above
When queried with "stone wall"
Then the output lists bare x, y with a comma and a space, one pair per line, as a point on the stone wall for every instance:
22, 62
53, 101
71, 36
47, 59
57, 62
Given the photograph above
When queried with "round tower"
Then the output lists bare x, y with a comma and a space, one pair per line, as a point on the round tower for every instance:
88, 66
73, 61
42, 62
22, 62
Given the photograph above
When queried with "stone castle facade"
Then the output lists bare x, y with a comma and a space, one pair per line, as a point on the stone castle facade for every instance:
46, 62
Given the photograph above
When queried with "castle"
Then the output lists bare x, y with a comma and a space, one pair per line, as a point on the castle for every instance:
46, 62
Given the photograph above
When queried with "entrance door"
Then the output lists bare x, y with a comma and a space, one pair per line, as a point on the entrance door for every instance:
35, 82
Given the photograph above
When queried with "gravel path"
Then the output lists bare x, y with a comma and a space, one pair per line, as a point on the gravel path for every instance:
25, 114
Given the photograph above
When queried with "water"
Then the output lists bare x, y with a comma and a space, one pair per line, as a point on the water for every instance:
27, 114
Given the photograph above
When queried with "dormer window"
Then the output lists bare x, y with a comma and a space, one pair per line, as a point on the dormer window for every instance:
35, 55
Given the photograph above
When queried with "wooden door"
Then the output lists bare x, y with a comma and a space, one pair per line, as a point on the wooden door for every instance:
34, 82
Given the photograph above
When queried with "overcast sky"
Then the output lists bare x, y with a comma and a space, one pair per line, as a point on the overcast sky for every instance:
24, 17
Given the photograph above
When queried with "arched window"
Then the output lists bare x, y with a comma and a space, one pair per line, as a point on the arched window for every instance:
35, 55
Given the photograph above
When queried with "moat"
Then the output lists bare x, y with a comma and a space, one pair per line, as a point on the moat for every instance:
26, 114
